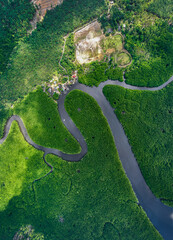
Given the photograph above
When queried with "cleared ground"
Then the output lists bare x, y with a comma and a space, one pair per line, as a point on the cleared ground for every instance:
91, 45
44, 5
87, 42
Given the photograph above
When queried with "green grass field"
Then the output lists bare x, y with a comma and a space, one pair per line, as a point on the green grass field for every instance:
147, 120
88, 200
41, 118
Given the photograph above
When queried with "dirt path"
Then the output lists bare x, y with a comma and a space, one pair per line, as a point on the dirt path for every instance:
65, 38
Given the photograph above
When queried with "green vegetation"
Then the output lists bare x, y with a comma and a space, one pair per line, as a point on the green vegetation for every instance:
36, 58
94, 73
27, 232
148, 38
91, 199
113, 47
147, 120
115, 41
55, 96
162, 8
68, 58
152, 52
116, 15
123, 58
4, 115
15, 19
114, 73
41, 118
99, 71
24, 164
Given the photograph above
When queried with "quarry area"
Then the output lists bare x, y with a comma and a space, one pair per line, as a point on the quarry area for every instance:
88, 43
91, 45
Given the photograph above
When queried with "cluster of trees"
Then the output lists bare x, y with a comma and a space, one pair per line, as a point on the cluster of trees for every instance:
162, 8
35, 59
15, 17
38, 106
122, 10
27, 232
147, 120
69, 55
96, 72
156, 41
50, 204
131, 5
150, 45
116, 15
93, 73
115, 73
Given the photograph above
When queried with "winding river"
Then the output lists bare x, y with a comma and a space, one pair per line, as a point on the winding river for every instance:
159, 214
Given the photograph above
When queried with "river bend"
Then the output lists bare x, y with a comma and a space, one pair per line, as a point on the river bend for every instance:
159, 214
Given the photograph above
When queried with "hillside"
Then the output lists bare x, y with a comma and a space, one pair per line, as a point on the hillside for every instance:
42, 6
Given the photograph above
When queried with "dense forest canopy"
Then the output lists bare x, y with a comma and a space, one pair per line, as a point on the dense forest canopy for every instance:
15, 17
148, 38
30, 60
163, 8
35, 58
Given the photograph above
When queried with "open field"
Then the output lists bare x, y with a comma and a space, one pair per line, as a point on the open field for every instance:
147, 120
88, 200
41, 118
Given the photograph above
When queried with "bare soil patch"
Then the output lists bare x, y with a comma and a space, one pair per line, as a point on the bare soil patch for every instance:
88, 43
41, 8
92, 44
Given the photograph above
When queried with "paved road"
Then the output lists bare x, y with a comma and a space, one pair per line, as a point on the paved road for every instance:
160, 215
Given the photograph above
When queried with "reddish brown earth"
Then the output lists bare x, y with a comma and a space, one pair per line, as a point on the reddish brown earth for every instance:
45, 5
41, 8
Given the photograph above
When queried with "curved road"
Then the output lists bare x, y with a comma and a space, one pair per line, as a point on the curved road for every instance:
160, 215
